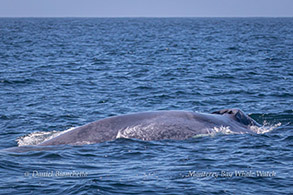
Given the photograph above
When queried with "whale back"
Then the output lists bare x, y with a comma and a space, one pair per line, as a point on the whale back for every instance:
238, 115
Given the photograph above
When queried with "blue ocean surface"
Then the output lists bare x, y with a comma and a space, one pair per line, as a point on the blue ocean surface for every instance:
60, 73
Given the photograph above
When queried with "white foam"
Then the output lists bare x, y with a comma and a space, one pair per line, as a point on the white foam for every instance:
36, 138
220, 130
83, 143
265, 128
217, 130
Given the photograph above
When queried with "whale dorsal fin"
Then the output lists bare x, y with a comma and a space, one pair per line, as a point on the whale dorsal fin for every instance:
237, 115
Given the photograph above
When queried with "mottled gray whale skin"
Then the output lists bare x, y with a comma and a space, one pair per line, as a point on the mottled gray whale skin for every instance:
159, 125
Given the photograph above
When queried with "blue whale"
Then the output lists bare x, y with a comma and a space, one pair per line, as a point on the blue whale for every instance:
158, 125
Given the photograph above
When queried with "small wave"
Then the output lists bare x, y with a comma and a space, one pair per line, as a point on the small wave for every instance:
36, 138
18, 81
265, 128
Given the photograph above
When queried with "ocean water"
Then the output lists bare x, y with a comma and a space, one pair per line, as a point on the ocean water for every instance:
59, 73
